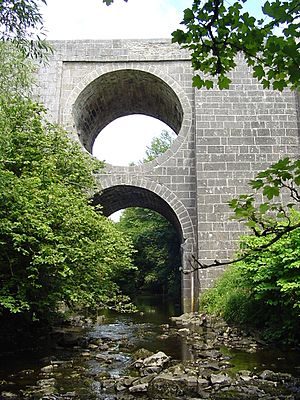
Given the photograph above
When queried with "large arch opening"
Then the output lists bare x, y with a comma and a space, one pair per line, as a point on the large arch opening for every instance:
158, 241
119, 197
121, 93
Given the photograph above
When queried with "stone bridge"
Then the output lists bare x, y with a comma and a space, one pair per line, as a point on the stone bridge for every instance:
223, 137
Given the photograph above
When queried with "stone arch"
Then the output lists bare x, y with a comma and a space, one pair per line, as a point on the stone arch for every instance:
184, 222
125, 191
176, 110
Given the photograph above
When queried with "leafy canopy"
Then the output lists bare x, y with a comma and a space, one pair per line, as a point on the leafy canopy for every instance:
54, 246
158, 146
262, 290
157, 256
215, 32
270, 218
21, 22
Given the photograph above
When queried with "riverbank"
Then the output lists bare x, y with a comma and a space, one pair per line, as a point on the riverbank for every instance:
190, 357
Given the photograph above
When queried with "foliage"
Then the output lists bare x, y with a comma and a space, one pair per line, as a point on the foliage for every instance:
230, 298
21, 23
16, 71
269, 218
216, 31
158, 146
157, 256
275, 280
269, 260
263, 290
54, 246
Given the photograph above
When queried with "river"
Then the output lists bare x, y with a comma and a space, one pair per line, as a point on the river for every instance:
77, 366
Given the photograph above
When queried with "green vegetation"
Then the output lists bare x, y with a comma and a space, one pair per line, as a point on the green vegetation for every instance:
216, 31
262, 291
263, 288
22, 24
157, 257
158, 146
54, 246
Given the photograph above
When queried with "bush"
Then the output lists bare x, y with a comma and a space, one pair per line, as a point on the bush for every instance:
263, 290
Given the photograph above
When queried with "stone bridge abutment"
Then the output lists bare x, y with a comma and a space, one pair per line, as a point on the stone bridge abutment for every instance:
223, 137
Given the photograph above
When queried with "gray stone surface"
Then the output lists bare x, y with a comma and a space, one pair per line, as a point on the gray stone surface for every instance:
224, 137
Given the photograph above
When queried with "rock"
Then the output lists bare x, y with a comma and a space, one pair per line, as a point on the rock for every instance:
26, 372
141, 353
128, 381
93, 346
163, 337
220, 379
168, 386
245, 375
268, 375
202, 382
151, 370
46, 382
156, 360
143, 387
8, 395
70, 394
85, 353
165, 326
47, 368
120, 387
183, 331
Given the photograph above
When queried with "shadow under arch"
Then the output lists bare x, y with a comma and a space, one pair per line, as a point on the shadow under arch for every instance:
121, 93
124, 196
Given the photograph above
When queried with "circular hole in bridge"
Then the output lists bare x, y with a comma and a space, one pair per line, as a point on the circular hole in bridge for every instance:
126, 140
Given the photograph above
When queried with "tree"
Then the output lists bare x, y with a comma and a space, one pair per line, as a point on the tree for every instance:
22, 23
54, 246
262, 287
217, 31
157, 256
158, 146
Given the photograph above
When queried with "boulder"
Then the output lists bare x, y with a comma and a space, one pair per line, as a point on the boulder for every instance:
167, 386
142, 387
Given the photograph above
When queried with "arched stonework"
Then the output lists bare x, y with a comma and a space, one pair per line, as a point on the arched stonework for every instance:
178, 97
126, 191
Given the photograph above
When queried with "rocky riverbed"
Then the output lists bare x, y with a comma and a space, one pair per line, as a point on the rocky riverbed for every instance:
106, 363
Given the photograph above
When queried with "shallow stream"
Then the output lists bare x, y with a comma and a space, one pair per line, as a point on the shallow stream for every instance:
76, 366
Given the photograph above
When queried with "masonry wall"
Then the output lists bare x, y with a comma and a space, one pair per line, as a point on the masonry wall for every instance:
227, 136
239, 132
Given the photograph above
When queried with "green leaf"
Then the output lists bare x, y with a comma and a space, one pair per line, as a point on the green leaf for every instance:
271, 191
258, 72
223, 82
264, 207
198, 82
